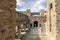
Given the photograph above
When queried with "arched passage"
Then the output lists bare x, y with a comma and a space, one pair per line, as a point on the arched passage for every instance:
35, 23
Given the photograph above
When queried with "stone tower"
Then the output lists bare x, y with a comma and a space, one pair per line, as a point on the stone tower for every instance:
28, 12
53, 19
42, 13
7, 19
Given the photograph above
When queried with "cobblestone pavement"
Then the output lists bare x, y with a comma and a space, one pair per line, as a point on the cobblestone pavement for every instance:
33, 34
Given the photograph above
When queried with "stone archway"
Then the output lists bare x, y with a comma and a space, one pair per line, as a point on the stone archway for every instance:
35, 23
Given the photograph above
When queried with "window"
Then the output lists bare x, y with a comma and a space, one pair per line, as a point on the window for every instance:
50, 27
50, 6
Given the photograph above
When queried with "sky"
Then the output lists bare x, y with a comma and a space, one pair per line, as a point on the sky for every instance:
33, 5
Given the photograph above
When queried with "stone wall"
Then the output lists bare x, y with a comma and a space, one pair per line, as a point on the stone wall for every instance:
57, 6
53, 19
7, 19
23, 22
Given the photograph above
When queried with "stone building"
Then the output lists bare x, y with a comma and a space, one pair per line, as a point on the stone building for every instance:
36, 20
22, 23
7, 19
53, 20
22, 20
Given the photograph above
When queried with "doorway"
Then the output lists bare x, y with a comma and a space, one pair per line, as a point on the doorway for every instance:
35, 23
31, 25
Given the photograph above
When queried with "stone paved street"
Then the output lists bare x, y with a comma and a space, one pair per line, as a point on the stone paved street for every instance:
33, 34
